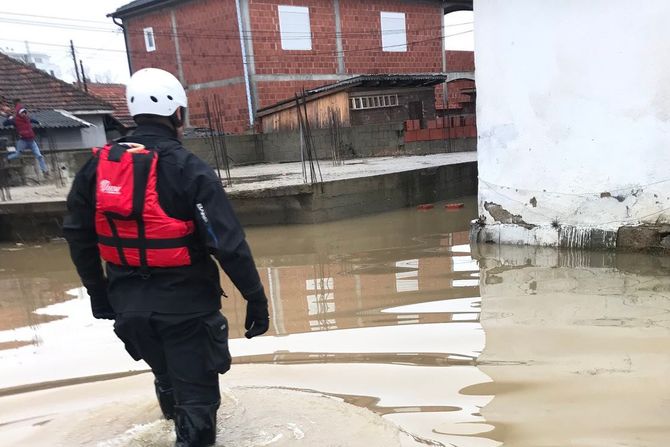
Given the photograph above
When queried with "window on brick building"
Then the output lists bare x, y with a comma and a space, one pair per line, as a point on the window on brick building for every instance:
294, 28
394, 32
149, 40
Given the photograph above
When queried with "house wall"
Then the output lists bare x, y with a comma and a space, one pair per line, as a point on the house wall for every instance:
95, 135
63, 139
318, 113
207, 35
394, 114
165, 54
568, 153
376, 140
271, 59
460, 60
361, 24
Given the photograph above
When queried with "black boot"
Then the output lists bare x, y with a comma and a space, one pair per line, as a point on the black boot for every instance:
165, 395
195, 425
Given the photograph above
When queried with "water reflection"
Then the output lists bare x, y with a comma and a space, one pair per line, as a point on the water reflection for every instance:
387, 313
576, 346
381, 311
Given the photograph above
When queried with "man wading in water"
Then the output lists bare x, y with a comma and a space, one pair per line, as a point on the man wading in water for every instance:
155, 213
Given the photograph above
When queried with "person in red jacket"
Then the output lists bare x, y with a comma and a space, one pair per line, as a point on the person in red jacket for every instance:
24, 127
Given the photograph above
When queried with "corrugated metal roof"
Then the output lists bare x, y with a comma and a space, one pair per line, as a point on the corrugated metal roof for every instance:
57, 119
365, 81
384, 81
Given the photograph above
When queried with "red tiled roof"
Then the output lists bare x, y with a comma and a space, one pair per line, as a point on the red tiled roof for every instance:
41, 91
115, 94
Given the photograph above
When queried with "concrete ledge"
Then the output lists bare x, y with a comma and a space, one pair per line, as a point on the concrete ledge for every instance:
342, 199
643, 237
293, 204
564, 236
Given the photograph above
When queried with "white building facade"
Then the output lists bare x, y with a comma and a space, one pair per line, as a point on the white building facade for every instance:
573, 115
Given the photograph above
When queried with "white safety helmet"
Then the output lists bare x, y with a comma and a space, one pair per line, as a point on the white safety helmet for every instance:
154, 91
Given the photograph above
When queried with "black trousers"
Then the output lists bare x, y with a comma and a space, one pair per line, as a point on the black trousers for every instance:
186, 353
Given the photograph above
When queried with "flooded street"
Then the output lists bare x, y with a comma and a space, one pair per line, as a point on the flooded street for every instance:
381, 335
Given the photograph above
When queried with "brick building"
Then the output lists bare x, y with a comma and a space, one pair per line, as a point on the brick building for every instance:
254, 53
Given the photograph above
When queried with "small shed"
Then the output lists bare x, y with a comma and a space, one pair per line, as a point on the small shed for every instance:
361, 100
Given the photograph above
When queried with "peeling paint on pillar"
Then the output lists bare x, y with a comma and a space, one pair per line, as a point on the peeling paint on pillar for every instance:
588, 178
501, 215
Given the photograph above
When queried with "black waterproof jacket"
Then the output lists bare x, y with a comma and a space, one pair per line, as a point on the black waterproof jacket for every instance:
188, 189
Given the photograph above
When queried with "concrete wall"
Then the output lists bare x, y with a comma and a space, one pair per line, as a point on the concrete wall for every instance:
242, 149
294, 204
360, 141
356, 197
63, 139
573, 110
95, 135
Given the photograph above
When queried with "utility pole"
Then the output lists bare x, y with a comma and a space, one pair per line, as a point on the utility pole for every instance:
74, 59
29, 56
83, 75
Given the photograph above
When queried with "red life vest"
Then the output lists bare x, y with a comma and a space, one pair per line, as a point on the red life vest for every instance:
133, 229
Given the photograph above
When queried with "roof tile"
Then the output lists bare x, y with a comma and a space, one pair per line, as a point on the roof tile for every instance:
40, 91
114, 94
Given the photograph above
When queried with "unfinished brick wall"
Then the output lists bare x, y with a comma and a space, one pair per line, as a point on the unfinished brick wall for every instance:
270, 58
276, 91
235, 110
460, 60
362, 41
209, 40
165, 56
210, 51
455, 98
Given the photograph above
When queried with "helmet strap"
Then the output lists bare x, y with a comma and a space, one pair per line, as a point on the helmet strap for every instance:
177, 120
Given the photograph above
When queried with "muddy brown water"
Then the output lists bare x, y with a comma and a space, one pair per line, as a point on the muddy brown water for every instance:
386, 330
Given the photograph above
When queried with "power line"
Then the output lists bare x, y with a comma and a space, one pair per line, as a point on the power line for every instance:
60, 26
53, 17
278, 57
223, 35
69, 19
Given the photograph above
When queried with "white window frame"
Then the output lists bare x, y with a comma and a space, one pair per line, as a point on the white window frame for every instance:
394, 35
373, 102
294, 28
149, 39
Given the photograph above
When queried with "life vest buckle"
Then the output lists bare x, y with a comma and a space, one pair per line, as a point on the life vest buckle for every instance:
145, 272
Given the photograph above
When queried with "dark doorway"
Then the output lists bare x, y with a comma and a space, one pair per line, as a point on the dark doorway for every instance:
416, 110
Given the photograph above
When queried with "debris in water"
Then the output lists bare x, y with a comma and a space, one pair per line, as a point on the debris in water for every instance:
454, 206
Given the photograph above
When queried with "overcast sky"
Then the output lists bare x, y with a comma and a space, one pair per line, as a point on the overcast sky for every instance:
48, 26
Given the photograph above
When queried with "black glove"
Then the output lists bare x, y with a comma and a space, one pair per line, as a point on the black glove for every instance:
258, 319
100, 306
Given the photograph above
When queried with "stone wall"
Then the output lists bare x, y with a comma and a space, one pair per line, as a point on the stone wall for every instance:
360, 141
